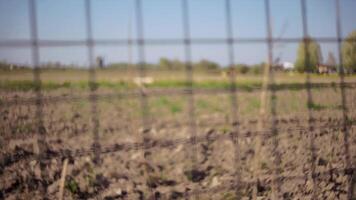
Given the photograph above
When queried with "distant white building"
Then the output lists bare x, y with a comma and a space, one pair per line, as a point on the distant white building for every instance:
288, 65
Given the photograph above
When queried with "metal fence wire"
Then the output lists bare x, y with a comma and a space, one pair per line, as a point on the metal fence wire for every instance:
268, 126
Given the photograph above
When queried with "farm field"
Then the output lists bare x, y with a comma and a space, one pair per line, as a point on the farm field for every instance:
173, 100
143, 136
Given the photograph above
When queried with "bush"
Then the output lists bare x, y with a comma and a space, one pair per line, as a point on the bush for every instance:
349, 52
242, 69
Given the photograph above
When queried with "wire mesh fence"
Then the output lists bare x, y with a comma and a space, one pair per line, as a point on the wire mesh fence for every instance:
265, 137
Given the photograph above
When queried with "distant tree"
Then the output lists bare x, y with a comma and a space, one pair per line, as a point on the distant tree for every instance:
308, 56
178, 65
4, 65
349, 52
257, 68
206, 65
164, 63
242, 69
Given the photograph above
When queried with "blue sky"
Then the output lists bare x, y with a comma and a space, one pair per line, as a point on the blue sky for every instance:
65, 20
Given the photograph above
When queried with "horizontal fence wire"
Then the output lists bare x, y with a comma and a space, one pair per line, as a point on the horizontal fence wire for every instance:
197, 41
44, 153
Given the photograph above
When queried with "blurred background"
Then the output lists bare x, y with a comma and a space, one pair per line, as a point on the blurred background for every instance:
194, 99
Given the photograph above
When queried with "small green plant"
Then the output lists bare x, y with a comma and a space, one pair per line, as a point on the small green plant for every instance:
80, 104
188, 175
173, 106
350, 121
225, 128
202, 104
229, 196
24, 128
89, 178
72, 186
253, 104
264, 165
315, 106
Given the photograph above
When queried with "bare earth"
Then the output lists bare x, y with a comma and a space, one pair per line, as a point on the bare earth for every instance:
306, 153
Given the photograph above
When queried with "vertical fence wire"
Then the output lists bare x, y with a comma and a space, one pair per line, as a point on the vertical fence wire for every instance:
233, 97
189, 85
142, 74
260, 140
345, 128
311, 133
268, 84
276, 155
92, 84
41, 131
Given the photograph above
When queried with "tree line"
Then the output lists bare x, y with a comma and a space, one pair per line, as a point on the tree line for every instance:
202, 65
309, 57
